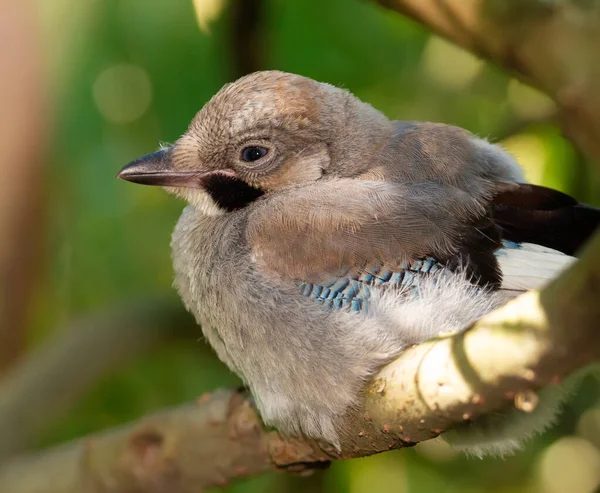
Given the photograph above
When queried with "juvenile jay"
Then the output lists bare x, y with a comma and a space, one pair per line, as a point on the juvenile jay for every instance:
321, 239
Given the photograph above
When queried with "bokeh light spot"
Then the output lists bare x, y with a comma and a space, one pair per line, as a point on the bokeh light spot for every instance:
207, 11
589, 426
530, 151
122, 93
528, 103
448, 65
570, 464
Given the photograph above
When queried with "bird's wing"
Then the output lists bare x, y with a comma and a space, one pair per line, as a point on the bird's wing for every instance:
328, 233
524, 266
346, 227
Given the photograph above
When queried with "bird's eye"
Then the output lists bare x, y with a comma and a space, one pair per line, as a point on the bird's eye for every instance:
253, 153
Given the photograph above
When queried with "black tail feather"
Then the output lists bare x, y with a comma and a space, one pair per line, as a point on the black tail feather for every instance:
540, 215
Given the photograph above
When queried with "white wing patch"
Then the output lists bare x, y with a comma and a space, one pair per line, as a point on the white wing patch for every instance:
531, 266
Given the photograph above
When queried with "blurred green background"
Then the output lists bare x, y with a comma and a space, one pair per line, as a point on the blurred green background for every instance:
121, 76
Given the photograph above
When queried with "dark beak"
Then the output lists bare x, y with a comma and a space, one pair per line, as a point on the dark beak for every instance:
156, 169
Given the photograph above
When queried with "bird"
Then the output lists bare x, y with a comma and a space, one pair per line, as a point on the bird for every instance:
321, 238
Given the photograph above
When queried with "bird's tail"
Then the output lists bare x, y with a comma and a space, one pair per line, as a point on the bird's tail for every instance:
533, 214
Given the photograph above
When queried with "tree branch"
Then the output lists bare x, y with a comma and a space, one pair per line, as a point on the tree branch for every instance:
540, 338
186, 449
551, 45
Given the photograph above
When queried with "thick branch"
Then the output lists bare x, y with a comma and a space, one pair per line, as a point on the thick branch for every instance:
552, 45
183, 450
535, 340
45, 384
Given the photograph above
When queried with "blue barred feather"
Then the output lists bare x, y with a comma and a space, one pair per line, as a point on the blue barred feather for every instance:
353, 293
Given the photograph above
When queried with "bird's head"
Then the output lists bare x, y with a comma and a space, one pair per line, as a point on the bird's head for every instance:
263, 133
